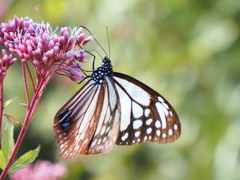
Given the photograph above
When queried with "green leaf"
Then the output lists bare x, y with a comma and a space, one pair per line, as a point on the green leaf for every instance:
7, 143
25, 159
2, 161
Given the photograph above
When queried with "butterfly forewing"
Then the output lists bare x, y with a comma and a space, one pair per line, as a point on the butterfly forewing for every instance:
145, 114
76, 121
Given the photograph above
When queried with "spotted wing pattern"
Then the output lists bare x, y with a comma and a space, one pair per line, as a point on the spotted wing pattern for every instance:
145, 114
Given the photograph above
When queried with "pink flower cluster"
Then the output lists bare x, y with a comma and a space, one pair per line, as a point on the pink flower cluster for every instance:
37, 43
6, 62
44, 170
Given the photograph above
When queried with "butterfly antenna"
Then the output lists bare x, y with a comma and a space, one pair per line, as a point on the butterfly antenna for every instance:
108, 42
94, 39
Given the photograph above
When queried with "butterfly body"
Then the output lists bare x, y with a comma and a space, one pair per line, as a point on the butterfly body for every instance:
113, 108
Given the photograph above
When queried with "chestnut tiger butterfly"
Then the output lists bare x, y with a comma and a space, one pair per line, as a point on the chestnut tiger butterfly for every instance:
113, 108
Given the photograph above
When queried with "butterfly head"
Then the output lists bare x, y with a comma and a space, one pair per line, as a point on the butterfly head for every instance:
106, 62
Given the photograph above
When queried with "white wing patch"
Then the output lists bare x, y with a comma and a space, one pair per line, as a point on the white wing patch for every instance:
138, 94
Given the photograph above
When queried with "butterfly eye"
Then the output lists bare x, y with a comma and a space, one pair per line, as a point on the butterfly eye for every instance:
113, 108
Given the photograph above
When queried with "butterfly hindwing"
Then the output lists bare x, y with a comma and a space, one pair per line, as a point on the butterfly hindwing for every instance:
107, 129
145, 114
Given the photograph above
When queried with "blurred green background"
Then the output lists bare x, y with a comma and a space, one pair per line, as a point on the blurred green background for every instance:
187, 50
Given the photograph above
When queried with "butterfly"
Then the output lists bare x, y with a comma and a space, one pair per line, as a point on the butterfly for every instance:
113, 108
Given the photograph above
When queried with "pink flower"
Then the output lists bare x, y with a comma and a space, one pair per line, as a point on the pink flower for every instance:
5, 63
37, 43
44, 170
